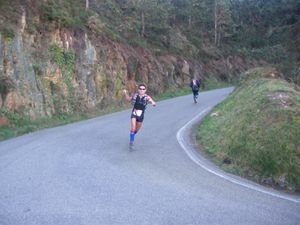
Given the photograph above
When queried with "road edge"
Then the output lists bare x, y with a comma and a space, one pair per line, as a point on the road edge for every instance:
184, 140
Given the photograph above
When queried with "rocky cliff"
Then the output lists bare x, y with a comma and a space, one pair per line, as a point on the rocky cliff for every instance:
54, 70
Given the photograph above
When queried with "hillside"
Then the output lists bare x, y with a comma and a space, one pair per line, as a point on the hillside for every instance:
60, 58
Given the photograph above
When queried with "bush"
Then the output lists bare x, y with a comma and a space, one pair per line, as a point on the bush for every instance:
65, 13
257, 42
8, 33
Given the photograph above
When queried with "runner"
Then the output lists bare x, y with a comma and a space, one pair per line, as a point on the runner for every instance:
139, 101
195, 85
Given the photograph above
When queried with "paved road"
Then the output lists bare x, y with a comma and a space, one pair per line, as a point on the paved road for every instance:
83, 173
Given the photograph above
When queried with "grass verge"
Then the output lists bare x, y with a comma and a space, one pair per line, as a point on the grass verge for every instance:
19, 125
255, 133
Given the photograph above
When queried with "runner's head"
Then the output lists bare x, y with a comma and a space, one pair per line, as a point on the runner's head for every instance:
142, 88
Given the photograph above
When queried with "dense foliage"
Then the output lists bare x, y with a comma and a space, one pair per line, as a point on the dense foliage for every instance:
257, 29
247, 22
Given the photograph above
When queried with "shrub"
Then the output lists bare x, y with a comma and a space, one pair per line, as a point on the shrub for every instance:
65, 13
8, 33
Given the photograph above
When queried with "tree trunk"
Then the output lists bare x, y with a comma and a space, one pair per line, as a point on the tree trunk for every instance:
190, 22
219, 40
86, 4
143, 24
216, 22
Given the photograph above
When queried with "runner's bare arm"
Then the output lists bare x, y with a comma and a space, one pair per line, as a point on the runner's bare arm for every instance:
151, 101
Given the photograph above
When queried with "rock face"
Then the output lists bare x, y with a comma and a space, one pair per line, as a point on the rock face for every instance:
54, 71
70, 70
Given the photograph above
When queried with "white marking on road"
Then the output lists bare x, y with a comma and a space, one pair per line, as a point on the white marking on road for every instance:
188, 150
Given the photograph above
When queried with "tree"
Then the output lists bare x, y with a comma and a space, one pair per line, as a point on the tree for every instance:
86, 4
223, 23
151, 13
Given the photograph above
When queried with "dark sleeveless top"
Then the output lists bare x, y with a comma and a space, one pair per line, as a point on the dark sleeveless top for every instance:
140, 102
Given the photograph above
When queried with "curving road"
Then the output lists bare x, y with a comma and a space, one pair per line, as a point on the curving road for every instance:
84, 173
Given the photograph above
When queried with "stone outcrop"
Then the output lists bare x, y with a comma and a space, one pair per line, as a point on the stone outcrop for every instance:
54, 71
71, 70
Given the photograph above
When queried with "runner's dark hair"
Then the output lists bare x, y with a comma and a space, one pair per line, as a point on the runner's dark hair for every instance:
144, 85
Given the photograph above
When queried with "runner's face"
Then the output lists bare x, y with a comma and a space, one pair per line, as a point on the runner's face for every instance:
142, 89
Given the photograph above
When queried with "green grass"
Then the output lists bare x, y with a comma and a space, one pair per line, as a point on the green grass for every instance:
255, 132
211, 83
173, 92
6, 133
20, 125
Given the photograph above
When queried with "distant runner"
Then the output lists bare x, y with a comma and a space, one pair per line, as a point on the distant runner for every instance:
139, 101
195, 85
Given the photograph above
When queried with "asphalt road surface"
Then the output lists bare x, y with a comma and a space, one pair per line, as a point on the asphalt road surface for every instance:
84, 173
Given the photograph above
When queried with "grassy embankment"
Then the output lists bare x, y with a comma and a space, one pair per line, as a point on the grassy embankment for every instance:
255, 133
19, 125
